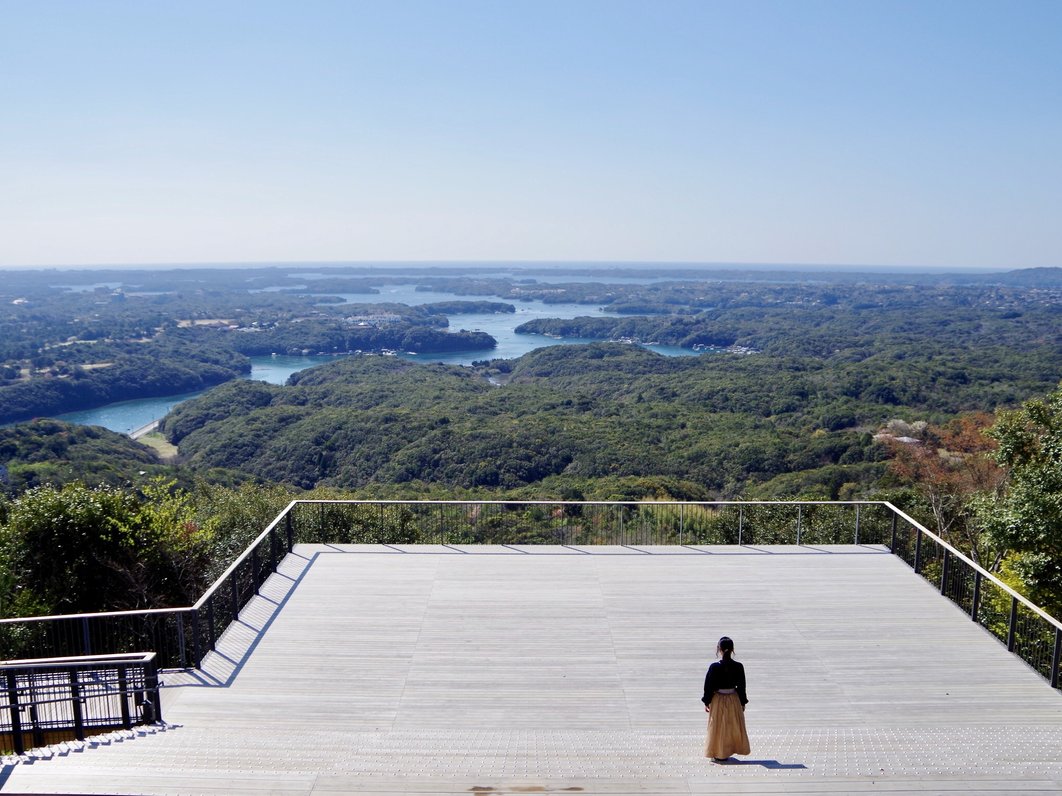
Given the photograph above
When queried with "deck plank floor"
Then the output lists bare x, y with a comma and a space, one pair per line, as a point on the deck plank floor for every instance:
402, 669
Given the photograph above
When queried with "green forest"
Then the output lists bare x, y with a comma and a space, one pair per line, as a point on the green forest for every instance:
939, 394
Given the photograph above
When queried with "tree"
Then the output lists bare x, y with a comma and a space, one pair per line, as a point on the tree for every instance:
1027, 517
948, 466
75, 549
61, 545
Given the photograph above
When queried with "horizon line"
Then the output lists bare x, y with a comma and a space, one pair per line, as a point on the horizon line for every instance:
558, 263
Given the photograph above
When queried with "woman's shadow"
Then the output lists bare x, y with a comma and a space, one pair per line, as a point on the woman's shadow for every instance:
773, 765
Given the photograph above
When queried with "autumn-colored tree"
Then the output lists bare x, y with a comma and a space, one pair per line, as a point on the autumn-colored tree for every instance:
948, 466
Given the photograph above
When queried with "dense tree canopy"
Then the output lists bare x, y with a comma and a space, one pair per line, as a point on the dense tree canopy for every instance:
1027, 518
75, 549
568, 412
52, 452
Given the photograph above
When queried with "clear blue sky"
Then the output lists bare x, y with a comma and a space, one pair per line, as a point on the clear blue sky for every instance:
842, 132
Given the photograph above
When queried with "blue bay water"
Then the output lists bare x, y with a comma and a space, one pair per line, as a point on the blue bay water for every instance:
128, 416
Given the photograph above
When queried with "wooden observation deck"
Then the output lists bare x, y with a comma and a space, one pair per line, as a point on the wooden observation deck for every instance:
375, 669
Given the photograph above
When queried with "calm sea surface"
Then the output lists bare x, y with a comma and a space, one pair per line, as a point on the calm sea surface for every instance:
127, 416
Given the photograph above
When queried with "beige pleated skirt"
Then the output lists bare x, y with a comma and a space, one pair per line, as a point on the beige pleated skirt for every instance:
726, 727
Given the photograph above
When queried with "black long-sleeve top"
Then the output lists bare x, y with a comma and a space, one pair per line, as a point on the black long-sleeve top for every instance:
724, 674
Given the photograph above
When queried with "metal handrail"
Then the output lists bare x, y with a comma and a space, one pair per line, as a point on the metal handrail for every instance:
650, 503
96, 615
977, 567
41, 663
243, 556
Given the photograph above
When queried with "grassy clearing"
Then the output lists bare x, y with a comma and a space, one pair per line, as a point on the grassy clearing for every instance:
166, 451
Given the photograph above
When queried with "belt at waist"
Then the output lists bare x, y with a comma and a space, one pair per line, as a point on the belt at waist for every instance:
726, 690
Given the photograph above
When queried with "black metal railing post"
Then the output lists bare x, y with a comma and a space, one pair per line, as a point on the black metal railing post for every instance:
976, 602
918, 553
35, 725
290, 530
151, 689
148, 633
256, 569
17, 740
800, 517
944, 573
892, 544
123, 695
75, 706
212, 633
197, 638
86, 637
1012, 624
1056, 658
182, 659
857, 523
235, 593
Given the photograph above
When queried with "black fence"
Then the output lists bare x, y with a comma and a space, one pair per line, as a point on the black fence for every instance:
54, 700
588, 522
1027, 631
166, 632
182, 637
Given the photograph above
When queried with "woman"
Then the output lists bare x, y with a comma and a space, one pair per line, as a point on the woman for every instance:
724, 700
